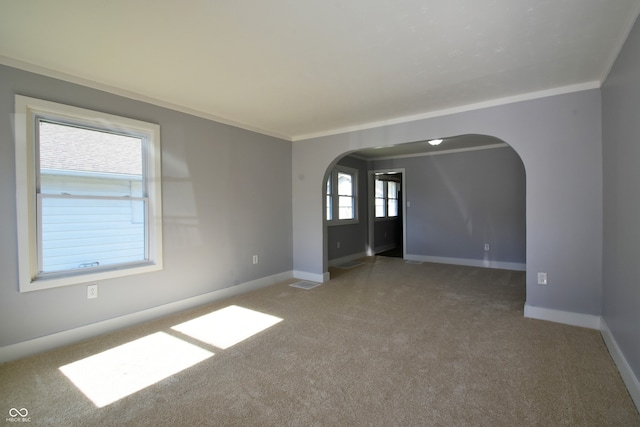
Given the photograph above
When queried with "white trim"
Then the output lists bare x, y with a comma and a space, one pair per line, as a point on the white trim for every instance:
47, 72
435, 153
590, 321
88, 174
27, 111
352, 257
502, 265
26, 66
629, 378
48, 342
314, 277
455, 110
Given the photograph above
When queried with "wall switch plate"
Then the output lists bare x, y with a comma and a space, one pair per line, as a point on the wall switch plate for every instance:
542, 278
255, 259
338, 245
92, 291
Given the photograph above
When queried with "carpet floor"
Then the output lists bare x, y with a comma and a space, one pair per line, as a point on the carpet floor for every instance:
383, 344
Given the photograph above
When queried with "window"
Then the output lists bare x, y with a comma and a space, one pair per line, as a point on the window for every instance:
346, 196
329, 198
88, 195
341, 196
386, 197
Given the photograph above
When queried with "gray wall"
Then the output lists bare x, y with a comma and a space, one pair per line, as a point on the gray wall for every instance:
226, 196
559, 140
352, 237
460, 201
621, 153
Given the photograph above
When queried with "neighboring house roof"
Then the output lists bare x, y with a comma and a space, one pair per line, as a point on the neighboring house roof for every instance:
71, 148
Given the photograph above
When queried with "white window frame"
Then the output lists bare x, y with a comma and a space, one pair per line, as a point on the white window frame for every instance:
333, 176
27, 112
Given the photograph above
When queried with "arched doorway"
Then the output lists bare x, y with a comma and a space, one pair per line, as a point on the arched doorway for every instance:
462, 202
559, 141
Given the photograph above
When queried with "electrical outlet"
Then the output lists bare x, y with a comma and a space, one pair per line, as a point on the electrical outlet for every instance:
92, 291
255, 259
542, 278
338, 245
486, 246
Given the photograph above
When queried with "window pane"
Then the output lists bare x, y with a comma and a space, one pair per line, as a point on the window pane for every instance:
329, 200
345, 207
80, 233
380, 211
345, 184
83, 233
379, 188
393, 207
81, 161
392, 190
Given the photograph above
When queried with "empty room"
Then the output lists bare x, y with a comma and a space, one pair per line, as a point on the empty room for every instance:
320, 213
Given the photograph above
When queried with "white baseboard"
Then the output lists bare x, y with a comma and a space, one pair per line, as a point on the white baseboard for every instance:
314, 277
48, 342
347, 258
384, 248
468, 262
590, 321
630, 380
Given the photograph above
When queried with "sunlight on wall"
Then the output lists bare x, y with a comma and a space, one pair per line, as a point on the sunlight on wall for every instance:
118, 372
228, 326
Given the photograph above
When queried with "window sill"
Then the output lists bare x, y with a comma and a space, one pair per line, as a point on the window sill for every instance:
77, 279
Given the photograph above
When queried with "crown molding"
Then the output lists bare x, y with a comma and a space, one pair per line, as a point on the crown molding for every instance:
48, 72
454, 110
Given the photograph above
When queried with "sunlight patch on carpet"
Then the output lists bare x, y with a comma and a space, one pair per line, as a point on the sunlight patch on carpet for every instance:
118, 372
305, 284
227, 326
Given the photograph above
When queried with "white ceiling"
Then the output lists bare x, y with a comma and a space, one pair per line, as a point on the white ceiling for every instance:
302, 68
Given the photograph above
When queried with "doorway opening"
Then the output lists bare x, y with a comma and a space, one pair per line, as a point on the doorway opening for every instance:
462, 202
386, 213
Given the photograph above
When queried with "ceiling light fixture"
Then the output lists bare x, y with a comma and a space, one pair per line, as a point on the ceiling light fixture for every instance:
435, 141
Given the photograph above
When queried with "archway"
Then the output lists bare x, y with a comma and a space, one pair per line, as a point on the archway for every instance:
465, 203
559, 141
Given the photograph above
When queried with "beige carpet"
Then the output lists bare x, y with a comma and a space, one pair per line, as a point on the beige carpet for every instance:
383, 344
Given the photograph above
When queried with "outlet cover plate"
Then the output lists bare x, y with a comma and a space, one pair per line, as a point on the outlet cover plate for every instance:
542, 278
92, 291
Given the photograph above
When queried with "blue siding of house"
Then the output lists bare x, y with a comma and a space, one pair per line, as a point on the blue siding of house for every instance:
78, 233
